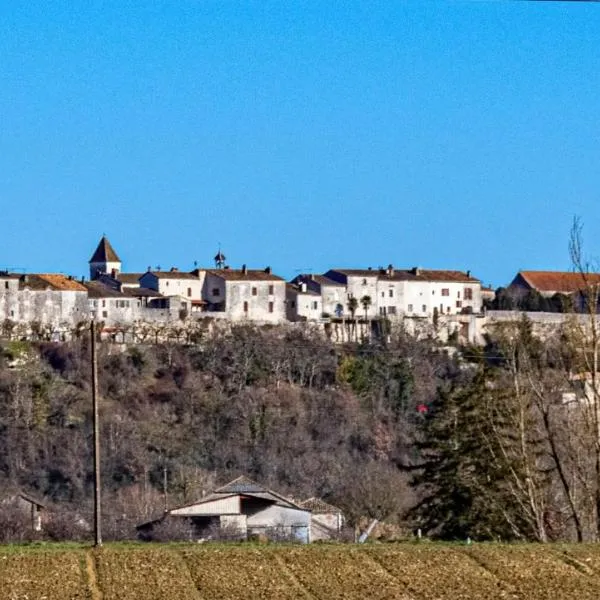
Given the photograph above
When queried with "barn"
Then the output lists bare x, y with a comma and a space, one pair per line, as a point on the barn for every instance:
240, 509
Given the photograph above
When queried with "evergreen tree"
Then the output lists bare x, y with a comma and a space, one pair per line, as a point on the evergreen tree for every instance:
474, 466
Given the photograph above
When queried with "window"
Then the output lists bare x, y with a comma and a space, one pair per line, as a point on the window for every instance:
458, 304
216, 292
254, 291
468, 293
424, 308
458, 294
445, 292
391, 293
383, 294
391, 310
103, 303
410, 308
315, 305
245, 307
271, 290
104, 314
270, 307
6, 285
189, 292
364, 282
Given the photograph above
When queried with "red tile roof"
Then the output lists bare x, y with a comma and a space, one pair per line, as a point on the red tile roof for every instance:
557, 281
56, 282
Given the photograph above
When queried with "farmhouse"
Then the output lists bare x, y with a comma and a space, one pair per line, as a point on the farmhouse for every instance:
242, 508
326, 521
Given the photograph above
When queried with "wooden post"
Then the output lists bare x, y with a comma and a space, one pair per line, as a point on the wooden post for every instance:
97, 511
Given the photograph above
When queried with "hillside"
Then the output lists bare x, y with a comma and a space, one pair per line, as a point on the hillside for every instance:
387, 571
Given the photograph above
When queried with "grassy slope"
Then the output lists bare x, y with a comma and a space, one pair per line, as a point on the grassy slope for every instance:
327, 572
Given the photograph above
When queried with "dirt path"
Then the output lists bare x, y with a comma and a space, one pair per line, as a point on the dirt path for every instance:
92, 575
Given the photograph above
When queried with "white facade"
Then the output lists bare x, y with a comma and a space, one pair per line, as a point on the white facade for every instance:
302, 304
175, 283
246, 295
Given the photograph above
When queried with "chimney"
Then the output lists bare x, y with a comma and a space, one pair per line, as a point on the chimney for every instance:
268, 270
390, 270
468, 273
303, 287
174, 270
416, 271
244, 270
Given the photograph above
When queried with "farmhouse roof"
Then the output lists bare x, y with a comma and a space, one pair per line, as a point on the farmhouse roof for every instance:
358, 272
128, 278
295, 287
31, 500
319, 507
557, 281
243, 486
53, 281
104, 252
173, 274
320, 280
245, 275
438, 275
95, 289
140, 292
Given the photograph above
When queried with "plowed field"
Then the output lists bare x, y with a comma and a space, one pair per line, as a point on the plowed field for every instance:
319, 572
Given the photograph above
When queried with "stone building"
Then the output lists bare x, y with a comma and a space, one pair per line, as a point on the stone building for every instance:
245, 294
302, 304
333, 293
359, 283
51, 301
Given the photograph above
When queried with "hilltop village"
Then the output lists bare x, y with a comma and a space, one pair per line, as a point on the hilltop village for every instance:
345, 303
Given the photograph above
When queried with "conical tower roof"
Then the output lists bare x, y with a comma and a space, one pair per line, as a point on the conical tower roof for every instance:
104, 252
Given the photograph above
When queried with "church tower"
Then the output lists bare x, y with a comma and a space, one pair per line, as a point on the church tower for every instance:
220, 259
104, 260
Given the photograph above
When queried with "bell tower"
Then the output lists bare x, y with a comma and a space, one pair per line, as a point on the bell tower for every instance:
104, 260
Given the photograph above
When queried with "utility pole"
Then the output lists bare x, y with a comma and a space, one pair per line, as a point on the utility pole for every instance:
97, 513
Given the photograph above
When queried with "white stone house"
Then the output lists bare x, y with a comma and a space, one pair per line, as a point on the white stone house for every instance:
55, 301
333, 293
359, 283
110, 306
175, 283
245, 295
423, 292
242, 508
302, 304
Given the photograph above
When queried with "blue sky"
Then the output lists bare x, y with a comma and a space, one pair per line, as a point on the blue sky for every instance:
301, 135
